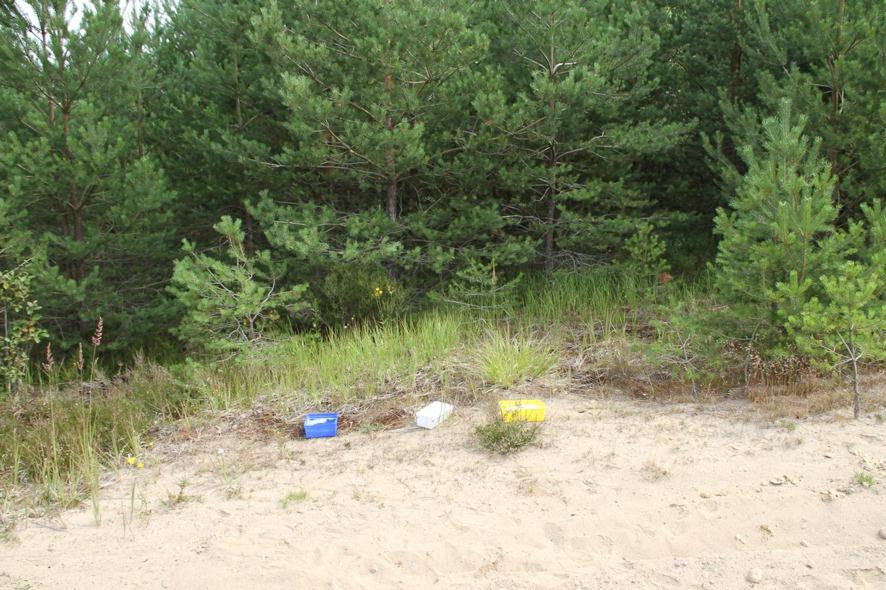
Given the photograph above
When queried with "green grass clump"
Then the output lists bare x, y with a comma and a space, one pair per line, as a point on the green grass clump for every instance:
353, 363
865, 480
507, 360
503, 437
293, 497
603, 297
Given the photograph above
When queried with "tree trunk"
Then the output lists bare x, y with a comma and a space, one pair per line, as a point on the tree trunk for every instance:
856, 402
853, 352
391, 201
238, 118
391, 197
50, 106
549, 235
250, 232
73, 201
140, 130
836, 100
551, 216
735, 57
238, 108
77, 222
391, 204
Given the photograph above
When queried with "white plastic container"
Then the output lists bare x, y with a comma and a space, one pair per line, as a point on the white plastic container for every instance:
432, 414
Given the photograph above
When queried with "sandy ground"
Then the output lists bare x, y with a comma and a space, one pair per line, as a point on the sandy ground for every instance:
618, 494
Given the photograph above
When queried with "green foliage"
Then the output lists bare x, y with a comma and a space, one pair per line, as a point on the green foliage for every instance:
231, 303
479, 286
845, 326
14, 238
75, 168
686, 346
865, 480
19, 313
436, 150
507, 360
50, 441
375, 93
826, 57
848, 321
781, 224
351, 293
503, 437
293, 497
645, 253
574, 127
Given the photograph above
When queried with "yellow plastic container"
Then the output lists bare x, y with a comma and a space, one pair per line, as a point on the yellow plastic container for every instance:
527, 410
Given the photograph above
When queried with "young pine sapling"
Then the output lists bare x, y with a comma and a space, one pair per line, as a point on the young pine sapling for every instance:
847, 327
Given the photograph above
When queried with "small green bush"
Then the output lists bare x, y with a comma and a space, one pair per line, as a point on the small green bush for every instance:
645, 252
19, 313
503, 437
782, 220
356, 293
231, 302
865, 480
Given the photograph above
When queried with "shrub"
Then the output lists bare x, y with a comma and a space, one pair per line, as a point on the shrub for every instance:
686, 346
18, 326
503, 437
645, 253
230, 303
481, 286
355, 293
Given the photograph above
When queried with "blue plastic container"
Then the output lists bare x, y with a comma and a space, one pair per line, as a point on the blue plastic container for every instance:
321, 425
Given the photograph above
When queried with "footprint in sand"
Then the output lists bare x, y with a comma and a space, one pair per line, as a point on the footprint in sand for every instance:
554, 533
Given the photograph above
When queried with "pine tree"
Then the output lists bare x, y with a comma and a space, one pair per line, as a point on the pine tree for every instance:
362, 82
699, 59
219, 120
780, 226
379, 97
826, 56
231, 303
570, 126
73, 165
845, 326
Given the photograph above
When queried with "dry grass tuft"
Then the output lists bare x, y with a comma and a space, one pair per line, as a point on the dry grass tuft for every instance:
652, 471
821, 395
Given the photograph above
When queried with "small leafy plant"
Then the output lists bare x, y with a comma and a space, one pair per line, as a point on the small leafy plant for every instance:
293, 497
19, 313
847, 327
503, 437
178, 498
865, 480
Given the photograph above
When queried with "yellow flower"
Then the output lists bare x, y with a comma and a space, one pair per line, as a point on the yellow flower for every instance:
140, 465
130, 460
378, 292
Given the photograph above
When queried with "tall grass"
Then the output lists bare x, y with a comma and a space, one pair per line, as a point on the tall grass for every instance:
507, 359
602, 303
356, 363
